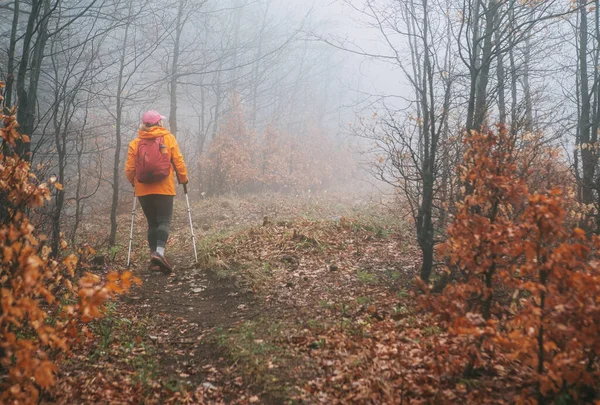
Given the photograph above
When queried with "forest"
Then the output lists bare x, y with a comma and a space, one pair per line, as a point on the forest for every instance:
385, 202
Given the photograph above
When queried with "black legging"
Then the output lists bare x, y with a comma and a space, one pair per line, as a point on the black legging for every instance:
158, 210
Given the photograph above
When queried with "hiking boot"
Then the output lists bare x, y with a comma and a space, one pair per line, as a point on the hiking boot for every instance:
162, 262
154, 267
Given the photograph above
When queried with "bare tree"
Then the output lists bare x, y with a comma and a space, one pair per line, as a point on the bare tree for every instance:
408, 141
134, 54
34, 50
489, 30
71, 68
588, 115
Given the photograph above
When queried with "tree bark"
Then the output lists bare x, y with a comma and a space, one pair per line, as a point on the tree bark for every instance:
237, 17
528, 125
79, 149
218, 101
25, 114
10, 78
595, 107
481, 99
501, 77
175, 69
118, 140
425, 215
588, 159
513, 70
256, 75
474, 64
59, 143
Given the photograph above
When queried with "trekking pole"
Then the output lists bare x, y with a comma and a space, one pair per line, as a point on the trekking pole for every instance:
131, 233
187, 201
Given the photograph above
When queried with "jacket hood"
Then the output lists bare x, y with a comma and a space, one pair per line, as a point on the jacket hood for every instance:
153, 132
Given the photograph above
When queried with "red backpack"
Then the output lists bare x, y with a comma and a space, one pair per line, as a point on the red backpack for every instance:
153, 162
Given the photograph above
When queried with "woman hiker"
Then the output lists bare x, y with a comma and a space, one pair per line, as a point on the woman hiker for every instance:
149, 168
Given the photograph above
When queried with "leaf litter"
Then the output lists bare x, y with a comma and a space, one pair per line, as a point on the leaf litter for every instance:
295, 300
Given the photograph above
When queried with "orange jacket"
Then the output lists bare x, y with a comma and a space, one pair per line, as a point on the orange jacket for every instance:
167, 185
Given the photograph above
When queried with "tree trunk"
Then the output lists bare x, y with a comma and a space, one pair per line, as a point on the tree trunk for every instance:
237, 16
60, 194
577, 141
174, 71
25, 114
256, 75
543, 280
10, 78
587, 153
217, 102
425, 228
202, 130
34, 75
474, 65
117, 161
425, 215
446, 175
595, 108
79, 148
59, 144
481, 99
528, 125
500, 75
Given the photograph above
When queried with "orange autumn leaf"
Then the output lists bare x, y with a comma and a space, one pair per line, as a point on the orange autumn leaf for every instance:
45, 374
579, 233
7, 254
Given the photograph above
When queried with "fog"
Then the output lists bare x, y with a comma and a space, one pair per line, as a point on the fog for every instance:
308, 94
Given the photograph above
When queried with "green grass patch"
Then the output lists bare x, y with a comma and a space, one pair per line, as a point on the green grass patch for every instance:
431, 330
126, 340
403, 293
364, 300
365, 277
253, 346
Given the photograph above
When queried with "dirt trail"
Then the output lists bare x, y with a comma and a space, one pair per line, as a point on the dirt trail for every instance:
185, 309
188, 307
201, 318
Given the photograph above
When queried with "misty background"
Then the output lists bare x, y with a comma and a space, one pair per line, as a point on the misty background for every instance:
294, 96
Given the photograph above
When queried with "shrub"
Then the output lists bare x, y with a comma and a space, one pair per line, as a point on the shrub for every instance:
42, 307
525, 287
241, 159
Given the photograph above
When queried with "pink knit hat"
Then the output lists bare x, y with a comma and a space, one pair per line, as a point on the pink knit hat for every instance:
152, 117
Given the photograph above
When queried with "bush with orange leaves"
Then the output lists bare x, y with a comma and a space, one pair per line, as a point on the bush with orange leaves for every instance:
36, 323
240, 159
230, 162
525, 296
